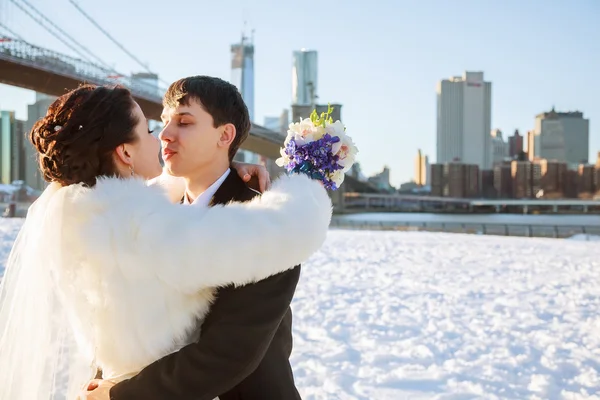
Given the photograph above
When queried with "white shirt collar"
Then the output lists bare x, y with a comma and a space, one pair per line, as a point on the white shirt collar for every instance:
204, 199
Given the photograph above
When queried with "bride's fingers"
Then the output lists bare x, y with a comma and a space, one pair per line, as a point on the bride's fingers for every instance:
93, 384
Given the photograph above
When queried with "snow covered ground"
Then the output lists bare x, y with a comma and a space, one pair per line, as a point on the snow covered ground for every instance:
415, 315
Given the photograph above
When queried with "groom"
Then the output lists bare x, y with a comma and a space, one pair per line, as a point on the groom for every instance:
246, 339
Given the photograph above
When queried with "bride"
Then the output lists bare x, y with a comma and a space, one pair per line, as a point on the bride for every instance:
107, 272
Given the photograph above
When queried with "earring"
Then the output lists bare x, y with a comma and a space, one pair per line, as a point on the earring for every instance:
131, 169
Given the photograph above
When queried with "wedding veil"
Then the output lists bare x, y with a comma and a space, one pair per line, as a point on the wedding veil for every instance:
39, 355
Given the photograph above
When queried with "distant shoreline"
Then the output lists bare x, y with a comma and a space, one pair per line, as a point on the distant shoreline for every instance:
550, 226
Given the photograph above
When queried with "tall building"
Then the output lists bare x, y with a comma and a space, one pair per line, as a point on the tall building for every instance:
503, 184
356, 172
455, 179
488, 190
382, 180
12, 154
464, 117
554, 178
572, 185
304, 78
436, 173
597, 174
421, 169
472, 180
242, 76
242, 71
35, 111
531, 145
284, 120
515, 144
587, 176
499, 147
561, 136
526, 179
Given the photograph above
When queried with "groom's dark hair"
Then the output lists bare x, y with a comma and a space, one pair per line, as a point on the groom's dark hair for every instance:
219, 98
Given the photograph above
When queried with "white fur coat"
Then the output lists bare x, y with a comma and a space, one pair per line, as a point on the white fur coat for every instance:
137, 271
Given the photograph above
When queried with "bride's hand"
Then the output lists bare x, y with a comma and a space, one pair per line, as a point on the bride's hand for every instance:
251, 173
97, 389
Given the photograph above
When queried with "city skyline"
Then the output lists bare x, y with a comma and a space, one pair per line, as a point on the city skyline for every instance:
562, 136
242, 71
393, 79
305, 74
464, 119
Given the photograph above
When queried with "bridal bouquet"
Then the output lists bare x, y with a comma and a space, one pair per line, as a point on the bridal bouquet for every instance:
319, 148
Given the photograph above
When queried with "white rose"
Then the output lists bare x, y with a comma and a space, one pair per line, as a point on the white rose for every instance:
346, 150
306, 128
283, 160
294, 127
338, 177
318, 132
303, 132
289, 137
336, 129
293, 131
302, 140
347, 153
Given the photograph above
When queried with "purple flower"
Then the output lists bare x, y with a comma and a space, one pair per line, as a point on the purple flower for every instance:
315, 159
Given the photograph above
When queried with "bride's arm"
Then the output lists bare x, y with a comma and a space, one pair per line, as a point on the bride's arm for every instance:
192, 248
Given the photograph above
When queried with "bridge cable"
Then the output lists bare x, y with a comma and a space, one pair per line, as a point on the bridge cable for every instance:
70, 46
65, 34
10, 31
108, 35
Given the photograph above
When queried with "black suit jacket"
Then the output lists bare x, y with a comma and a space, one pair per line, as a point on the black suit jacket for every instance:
245, 344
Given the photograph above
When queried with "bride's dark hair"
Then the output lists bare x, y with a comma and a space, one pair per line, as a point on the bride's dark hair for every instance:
82, 128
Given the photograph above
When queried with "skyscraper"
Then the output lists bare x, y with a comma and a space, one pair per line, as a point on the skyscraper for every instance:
500, 149
304, 78
421, 169
515, 144
586, 186
554, 176
242, 71
455, 179
464, 112
382, 180
526, 178
12, 157
562, 136
531, 151
35, 111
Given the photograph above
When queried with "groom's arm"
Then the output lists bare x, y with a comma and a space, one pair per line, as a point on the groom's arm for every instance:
235, 338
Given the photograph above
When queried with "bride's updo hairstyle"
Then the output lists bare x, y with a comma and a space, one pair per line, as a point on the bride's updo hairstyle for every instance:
77, 137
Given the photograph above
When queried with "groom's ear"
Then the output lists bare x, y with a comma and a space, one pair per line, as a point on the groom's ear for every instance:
227, 135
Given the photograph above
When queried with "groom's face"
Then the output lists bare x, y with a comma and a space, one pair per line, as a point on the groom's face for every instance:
190, 141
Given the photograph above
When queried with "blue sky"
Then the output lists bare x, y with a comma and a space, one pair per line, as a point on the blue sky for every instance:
380, 59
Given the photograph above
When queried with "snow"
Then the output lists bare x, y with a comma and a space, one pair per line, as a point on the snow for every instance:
506, 219
392, 315
415, 315
585, 237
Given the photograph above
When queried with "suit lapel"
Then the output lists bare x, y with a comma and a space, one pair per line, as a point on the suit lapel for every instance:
232, 188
